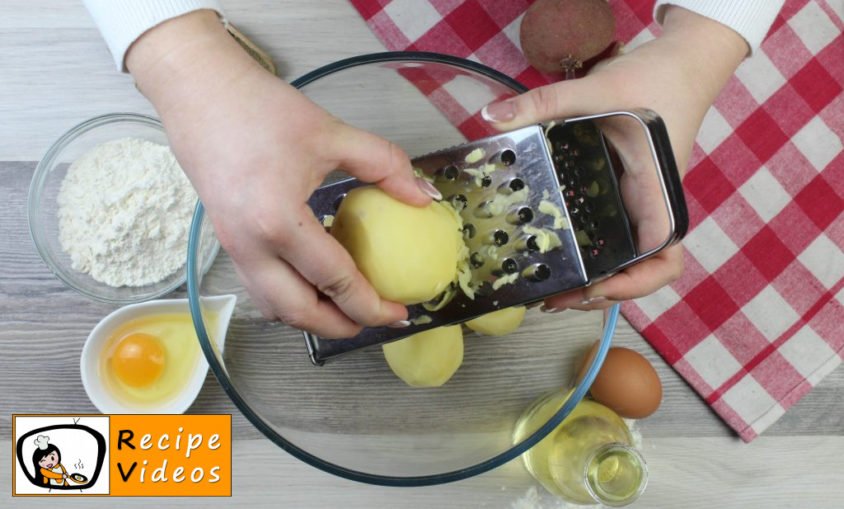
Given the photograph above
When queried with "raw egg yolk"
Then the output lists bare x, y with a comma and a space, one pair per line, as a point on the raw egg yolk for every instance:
138, 360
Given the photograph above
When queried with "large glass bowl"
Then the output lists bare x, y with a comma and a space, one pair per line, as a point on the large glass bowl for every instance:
352, 417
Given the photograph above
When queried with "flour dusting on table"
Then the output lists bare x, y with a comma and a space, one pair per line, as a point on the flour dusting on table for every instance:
536, 498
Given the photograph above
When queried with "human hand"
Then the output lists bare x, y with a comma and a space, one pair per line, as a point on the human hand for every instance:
678, 75
255, 149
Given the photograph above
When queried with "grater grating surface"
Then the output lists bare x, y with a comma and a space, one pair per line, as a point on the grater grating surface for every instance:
542, 213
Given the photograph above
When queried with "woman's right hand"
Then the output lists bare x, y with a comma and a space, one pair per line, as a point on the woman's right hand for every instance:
255, 149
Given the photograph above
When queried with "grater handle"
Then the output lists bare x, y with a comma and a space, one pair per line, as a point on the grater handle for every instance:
666, 170
669, 172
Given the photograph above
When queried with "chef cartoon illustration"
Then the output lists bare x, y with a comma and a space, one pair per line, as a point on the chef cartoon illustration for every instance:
47, 460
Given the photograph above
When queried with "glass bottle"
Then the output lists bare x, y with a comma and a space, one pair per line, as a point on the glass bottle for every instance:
589, 458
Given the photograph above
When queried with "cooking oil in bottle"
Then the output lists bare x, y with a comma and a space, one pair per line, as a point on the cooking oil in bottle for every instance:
588, 458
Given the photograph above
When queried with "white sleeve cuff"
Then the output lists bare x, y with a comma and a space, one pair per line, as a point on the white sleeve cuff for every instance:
750, 18
121, 22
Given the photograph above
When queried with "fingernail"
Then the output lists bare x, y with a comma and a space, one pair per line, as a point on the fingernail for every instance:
428, 188
593, 300
400, 324
546, 309
499, 112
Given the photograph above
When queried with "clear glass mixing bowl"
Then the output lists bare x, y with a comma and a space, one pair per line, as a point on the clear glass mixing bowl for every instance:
352, 417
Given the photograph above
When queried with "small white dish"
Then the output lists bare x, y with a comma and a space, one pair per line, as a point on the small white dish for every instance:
97, 341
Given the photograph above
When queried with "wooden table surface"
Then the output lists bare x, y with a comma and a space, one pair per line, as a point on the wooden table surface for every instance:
55, 71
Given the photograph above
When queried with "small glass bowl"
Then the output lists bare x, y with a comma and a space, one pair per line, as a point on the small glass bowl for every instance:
352, 417
43, 207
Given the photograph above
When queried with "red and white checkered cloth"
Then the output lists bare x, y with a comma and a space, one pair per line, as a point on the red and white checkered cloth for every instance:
758, 317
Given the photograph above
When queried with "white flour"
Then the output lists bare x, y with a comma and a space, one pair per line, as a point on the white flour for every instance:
124, 213
534, 499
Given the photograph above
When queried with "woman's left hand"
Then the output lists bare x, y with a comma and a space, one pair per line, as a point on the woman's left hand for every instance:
678, 75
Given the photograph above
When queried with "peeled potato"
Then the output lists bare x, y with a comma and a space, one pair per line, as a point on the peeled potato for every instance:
498, 323
426, 359
409, 254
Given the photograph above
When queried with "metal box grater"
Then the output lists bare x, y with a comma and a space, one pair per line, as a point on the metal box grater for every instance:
542, 212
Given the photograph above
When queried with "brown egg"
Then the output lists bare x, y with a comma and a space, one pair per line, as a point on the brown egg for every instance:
626, 383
